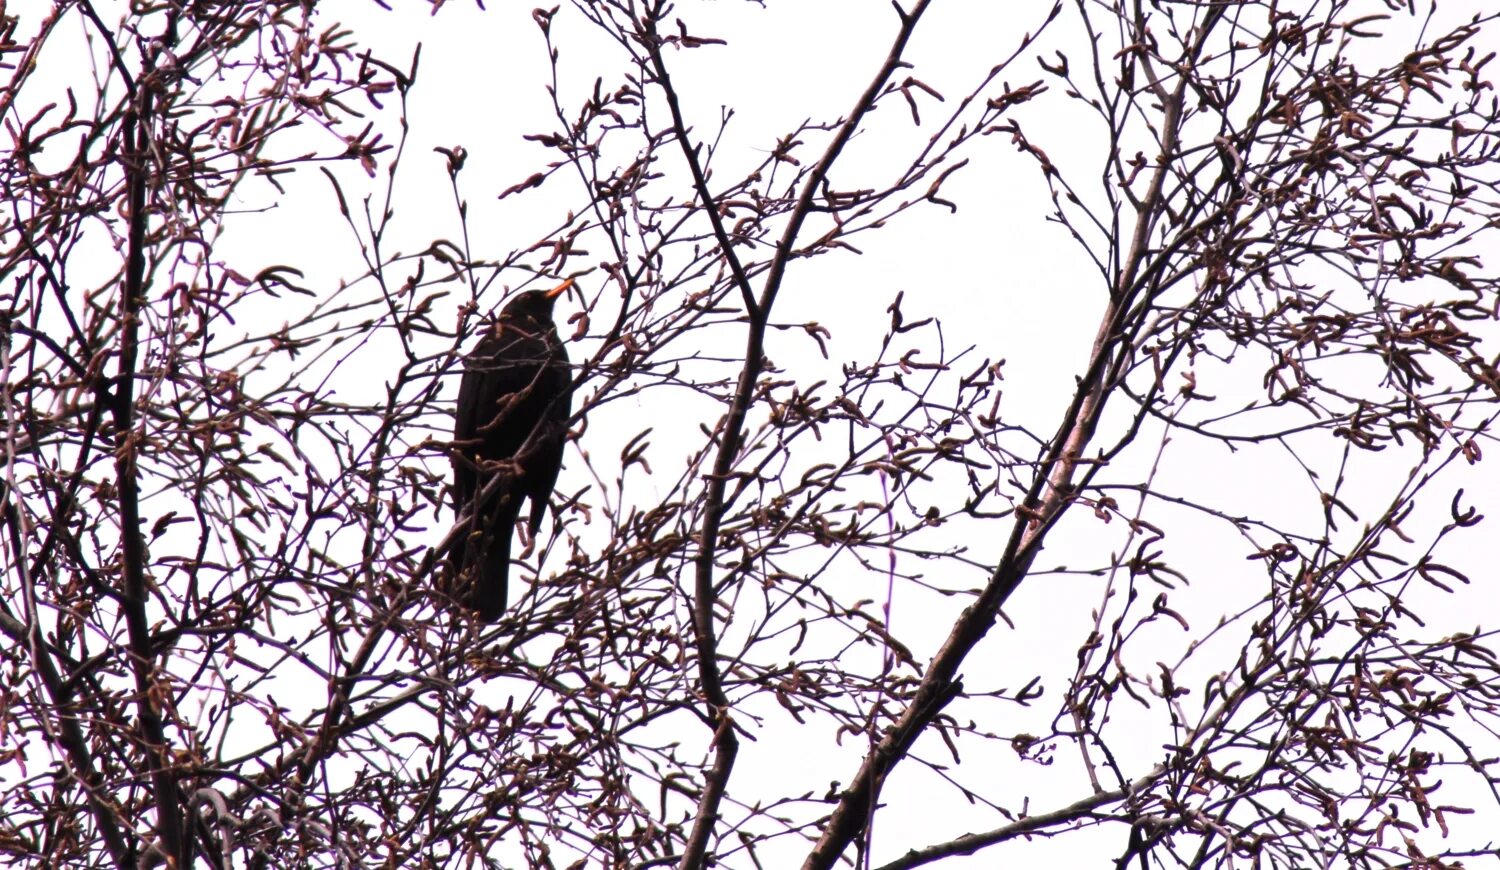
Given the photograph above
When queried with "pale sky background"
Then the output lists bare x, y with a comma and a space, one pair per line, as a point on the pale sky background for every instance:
1001, 277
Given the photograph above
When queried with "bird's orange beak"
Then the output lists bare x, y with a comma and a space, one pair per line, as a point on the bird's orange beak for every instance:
560, 289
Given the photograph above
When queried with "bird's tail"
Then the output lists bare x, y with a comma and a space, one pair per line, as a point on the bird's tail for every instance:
480, 564
491, 585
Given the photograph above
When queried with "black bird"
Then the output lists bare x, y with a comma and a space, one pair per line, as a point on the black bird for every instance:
513, 408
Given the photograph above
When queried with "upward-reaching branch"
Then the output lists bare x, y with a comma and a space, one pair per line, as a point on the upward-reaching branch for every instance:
730, 433
1050, 494
136, 151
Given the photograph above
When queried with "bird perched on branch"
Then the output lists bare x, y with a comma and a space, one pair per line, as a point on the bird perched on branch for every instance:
513, 407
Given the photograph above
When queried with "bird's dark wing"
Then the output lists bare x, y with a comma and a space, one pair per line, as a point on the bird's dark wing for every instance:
465, 432
543, 466
503, 393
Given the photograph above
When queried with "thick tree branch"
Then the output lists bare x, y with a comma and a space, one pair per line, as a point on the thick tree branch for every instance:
731, 431
136, 148
1047, 500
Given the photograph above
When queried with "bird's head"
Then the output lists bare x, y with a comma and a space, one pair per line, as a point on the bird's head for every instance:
534, 305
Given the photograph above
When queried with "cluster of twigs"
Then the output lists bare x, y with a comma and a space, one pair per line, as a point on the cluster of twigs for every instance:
225, 473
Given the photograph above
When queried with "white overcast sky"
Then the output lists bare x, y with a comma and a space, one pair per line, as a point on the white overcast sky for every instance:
1001, 277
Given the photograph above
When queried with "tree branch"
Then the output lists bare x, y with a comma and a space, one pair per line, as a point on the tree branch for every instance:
732, 430
136, 141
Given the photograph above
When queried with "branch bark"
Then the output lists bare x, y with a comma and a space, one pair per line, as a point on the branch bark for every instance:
136, 139
731, 431
1048, 499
